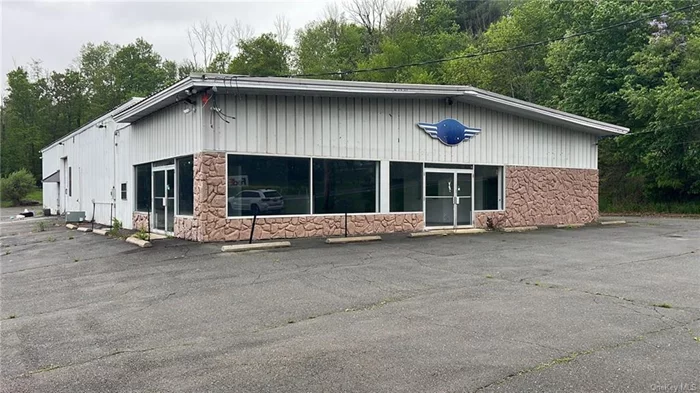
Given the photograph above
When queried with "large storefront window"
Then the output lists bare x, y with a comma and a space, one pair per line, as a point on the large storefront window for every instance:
143, 188
342, 186
267, 185
185, 185
487, 188
406, 187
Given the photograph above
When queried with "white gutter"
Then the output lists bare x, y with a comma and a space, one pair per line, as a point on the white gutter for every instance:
93, 123
476, 95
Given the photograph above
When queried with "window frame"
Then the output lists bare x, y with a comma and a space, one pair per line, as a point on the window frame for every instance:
311, 185
310, 195
123, 192
136, 188
176, 161
377, 186
501, 189
70, 181
422, 187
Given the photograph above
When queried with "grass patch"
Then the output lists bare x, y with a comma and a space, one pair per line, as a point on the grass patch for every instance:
35, 195
489, 276
663, 305
40, 226
607, 206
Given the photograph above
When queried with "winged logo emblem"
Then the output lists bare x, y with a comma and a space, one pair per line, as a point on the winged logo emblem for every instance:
449, 131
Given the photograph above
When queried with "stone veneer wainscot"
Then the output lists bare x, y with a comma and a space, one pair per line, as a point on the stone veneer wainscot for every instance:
534, 196
546, 196
209, 222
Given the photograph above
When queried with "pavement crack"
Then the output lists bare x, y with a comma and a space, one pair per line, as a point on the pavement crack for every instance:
52, 367
571, 356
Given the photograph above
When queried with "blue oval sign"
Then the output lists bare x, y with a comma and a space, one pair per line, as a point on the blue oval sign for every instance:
449, 131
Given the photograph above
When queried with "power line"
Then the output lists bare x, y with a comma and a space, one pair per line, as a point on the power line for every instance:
491, 52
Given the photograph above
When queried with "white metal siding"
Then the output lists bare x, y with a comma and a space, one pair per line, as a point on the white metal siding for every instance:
90, 156
167, 133
50, 163
125, 174
378, 129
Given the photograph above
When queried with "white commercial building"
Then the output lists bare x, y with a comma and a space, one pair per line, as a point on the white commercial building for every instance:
200, 158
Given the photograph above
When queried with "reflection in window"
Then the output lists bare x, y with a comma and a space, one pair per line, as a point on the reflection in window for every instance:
345, 186
185, 185
267, 185
406, 187
143, 187
487, 188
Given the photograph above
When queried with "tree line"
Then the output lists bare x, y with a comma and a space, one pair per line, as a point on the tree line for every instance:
635, 64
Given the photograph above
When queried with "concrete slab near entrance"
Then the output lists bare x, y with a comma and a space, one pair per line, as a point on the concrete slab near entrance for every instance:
445, 232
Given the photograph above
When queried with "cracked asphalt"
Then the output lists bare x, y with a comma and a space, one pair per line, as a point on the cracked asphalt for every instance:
595, 309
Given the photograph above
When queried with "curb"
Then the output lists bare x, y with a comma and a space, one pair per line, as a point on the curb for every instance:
428, 233
613, 222
102, 232
71, 226
354, 239
138, 242
569, 226
84, 229
519, 229
469, 231
255, 246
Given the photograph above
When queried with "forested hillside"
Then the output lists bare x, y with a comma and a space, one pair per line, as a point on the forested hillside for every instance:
635, 64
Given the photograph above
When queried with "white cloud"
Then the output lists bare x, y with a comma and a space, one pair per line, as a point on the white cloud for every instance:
54, 31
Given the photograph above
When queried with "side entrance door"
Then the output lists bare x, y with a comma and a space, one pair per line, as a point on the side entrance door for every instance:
448, 201
163, 199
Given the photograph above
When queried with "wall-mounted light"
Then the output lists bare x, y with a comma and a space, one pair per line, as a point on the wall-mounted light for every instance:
189, 106
102, 125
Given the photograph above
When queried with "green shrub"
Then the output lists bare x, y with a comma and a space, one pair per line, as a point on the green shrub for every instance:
142, 234
16, 186
116, 227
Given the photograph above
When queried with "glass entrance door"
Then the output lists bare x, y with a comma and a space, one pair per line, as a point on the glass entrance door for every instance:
163, 199
448, 198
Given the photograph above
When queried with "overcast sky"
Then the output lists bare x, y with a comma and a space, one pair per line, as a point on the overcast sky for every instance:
53, 31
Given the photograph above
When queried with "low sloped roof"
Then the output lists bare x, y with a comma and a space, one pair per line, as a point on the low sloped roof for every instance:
335, 88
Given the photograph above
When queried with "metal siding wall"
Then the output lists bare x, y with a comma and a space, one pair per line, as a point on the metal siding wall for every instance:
384, 129
168, 133
125, 174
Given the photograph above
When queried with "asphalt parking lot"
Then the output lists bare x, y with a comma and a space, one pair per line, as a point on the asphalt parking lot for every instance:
556, 310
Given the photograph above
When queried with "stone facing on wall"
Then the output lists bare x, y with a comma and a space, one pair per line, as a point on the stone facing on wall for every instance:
534, 196
546, 196
139, 221
210, 223
186, 228
315, 226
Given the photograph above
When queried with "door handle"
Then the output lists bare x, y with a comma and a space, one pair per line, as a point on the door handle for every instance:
455, 200
165, 203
